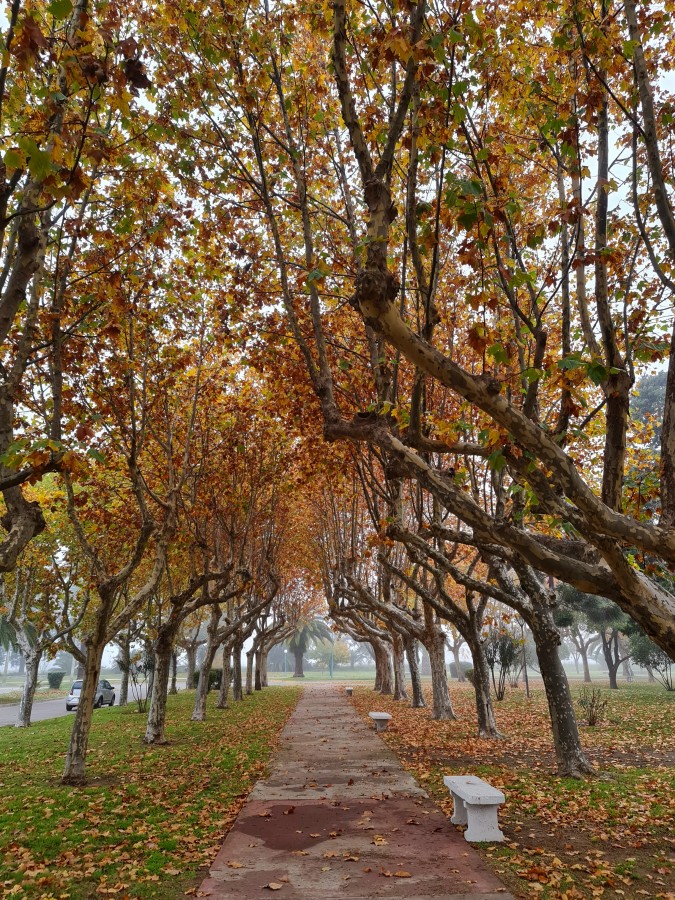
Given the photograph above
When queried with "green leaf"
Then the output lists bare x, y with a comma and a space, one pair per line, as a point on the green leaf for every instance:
596, 372
14, 159
571, 362
498, 353
96, 454
496, 461
60, 9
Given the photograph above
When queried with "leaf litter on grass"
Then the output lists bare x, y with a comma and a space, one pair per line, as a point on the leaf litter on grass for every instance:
610, 835
151, 817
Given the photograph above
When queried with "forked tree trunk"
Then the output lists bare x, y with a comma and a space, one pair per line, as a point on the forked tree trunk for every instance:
258, 668
154, 731
263, 668
441, 703
237, 693
487, 726
572, 761
225, 679
298, 664
418, 701
612, 659
400, 692
32, 657
74, 771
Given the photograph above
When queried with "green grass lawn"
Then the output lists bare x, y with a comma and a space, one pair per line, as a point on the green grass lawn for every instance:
151, 817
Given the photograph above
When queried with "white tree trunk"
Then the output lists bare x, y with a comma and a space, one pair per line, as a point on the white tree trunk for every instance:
400, 692
32, 657
75, 768
154, 732
441, 703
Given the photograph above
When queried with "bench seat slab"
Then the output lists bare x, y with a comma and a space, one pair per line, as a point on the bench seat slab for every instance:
475, 805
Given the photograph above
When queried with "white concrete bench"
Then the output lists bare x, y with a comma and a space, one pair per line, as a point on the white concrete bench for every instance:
349, 691
476, 805
380, 719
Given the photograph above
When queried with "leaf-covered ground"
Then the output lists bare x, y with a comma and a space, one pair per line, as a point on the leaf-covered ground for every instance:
150, 818
613, 835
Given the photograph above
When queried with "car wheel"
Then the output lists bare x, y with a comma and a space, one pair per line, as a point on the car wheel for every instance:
69, 708
99, 702
112, 701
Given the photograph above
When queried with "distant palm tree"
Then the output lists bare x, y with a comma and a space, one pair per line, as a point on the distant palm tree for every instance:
306, 632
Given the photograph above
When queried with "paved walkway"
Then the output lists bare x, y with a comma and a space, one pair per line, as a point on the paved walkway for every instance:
340, 818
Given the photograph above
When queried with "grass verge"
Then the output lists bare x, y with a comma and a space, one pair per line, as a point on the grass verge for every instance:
151, 817
565, 839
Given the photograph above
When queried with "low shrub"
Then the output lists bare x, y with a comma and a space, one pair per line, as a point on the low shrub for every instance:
469, 675
594, 705
215, 679
465, 666
55, 677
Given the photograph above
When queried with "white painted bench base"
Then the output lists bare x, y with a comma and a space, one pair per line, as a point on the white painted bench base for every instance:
476, 805
380, 719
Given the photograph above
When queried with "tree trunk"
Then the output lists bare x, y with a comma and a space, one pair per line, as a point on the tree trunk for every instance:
125, 656
32, 660
150, 654
572, 762
191, 666
383, 665
250, 656
225, 680
258, 668
237, 693
611, 659
154, 732
377, 687
487, 726
298, 664
174, 672
418, 701
74, 771
441, 703
456, 647
583, 653
199, 711
400, 692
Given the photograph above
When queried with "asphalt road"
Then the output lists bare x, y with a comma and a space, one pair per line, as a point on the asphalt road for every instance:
42, 709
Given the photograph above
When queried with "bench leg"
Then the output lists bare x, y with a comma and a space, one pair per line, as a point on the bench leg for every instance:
381, 726
459, 812
483, 824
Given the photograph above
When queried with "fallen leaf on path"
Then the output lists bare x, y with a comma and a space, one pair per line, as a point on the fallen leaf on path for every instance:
402, 874
274, 886
233, 864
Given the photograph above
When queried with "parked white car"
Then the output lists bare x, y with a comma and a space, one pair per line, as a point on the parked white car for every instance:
105, 695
